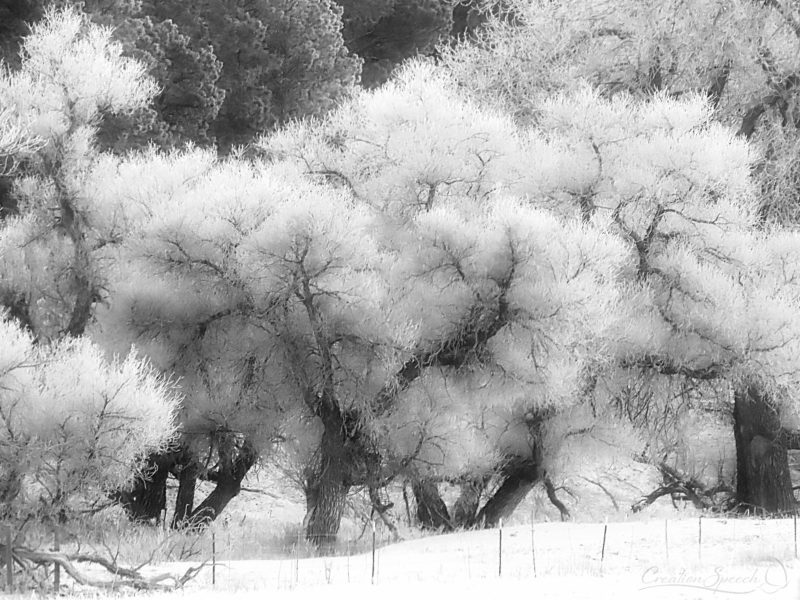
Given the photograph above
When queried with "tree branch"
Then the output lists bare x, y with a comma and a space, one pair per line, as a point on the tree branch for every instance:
122, 576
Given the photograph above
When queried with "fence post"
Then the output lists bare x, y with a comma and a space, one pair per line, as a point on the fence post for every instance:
372, 578
603, 549
213, 559
348, 560
57, 568
533, 549
500, 551
297, 559
9, 559
794, 518
666, 538
700, 537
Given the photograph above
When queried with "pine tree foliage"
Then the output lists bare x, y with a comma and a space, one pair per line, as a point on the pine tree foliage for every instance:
187, 72
386, 32
279, 59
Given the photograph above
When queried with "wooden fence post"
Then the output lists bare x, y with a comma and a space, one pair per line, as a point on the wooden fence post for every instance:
500, 551
700, 537
57, 569
372, 577
9, 559
603, 549
213, 559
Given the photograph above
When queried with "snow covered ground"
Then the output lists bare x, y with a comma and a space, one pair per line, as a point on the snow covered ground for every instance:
679, 559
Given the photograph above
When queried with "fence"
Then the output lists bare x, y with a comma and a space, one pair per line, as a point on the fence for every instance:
522, 551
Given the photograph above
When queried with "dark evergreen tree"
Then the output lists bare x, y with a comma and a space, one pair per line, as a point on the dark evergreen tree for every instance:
386, 32
280, 59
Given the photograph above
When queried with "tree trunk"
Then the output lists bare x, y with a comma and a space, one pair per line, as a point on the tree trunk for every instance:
465, 510
184, 501
325, 502
382, 509
226, 489
327, 485
519, 477
147, 500
234, 464
431, 509
762, 465
551, 495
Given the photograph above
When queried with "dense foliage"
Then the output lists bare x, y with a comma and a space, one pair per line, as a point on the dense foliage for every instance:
75, 425
466, 274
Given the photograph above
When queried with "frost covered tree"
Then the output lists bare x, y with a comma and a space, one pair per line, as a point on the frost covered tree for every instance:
708, 299
226, 71
74, 426
363, 295
741, 57
502, 318
183, 302
56, 238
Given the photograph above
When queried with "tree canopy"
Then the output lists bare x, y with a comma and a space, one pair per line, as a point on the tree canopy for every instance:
76, 425
464, 274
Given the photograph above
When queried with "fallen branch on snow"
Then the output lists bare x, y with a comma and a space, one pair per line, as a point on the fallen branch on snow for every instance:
30, 559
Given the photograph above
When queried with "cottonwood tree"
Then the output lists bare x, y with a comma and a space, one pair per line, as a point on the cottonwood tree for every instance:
247, 258
54, 253
491, 292
75, 426
55, 241
740, 56
370, 262
709, 297
184, 300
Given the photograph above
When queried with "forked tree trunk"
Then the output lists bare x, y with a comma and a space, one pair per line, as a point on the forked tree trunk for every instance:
184, 501
234, 465
519, 477
431, 510
762, 465
327, 485
147, 500
465, 509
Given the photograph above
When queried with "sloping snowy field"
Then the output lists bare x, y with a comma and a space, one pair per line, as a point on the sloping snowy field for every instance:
732, 558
